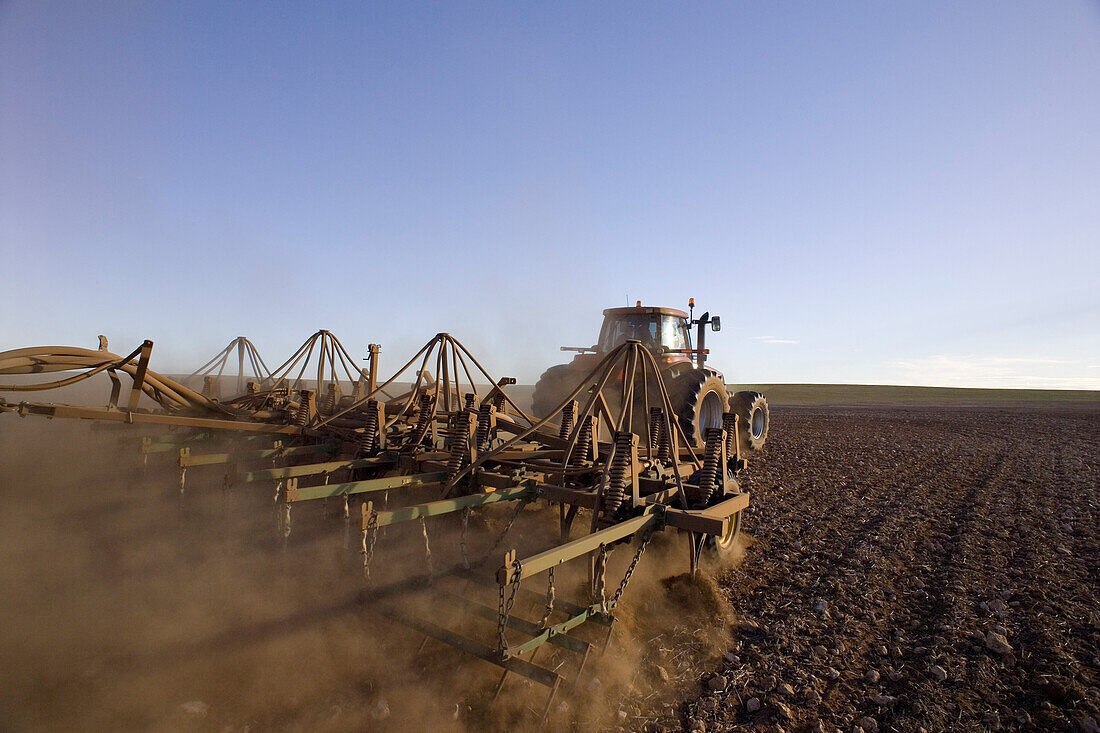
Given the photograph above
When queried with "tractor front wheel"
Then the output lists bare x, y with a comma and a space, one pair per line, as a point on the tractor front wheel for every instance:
754, 419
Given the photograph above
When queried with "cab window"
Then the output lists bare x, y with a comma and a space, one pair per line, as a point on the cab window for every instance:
669, 332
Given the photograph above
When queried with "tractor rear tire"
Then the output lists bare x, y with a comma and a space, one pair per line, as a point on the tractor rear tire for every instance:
753, 419
699, 398
553, 386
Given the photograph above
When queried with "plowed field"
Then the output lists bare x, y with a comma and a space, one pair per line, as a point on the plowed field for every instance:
933, 569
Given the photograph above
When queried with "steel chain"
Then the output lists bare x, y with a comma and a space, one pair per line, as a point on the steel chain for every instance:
502, 642
601, 578
630, 568
427, 547
370, 536
347, 523
465, 529
505, 609
549, 599
519, 508
279, 511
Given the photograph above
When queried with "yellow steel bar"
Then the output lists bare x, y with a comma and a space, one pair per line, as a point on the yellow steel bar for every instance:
133, 416
713, 520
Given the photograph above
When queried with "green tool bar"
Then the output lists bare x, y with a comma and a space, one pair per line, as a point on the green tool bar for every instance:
552, 633
519, 666
444, 506
313, 468
210, 459
562, 553
293, 493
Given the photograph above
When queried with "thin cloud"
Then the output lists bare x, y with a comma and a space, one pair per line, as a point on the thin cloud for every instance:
968, 370
774, 340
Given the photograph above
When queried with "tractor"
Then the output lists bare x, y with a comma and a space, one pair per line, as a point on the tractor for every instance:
697, 391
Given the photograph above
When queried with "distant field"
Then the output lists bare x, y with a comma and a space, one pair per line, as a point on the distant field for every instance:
860, 394
95, 391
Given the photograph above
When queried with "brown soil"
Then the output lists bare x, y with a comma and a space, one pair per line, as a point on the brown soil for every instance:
889, 545
882, 542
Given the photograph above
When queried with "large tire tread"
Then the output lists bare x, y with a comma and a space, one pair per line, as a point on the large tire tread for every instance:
745, 405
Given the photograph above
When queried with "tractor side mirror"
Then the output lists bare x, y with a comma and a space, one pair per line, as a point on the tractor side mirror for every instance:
716, 323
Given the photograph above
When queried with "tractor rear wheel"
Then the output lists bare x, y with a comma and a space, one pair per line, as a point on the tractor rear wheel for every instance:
753, 417
700, 399
553, 386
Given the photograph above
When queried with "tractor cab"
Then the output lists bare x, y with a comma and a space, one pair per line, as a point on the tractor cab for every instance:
695, 390
659, 329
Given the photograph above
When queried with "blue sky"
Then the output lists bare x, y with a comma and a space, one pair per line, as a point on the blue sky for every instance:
902, 193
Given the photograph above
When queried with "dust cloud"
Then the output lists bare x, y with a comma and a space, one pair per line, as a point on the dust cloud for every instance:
126, 606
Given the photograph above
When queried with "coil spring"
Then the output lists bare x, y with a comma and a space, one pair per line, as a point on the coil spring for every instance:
567, 419
729, 424
459, 433
369, 440
584, 443
616, 473
664, 442
302, 418
470, 402
330, 398
498, 401
279, 397
484, 421
712, 457
656, 422
423, 421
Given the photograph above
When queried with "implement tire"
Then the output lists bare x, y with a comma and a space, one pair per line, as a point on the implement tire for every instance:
753, 418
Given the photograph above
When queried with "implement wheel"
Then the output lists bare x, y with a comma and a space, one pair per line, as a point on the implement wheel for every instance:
729, 537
